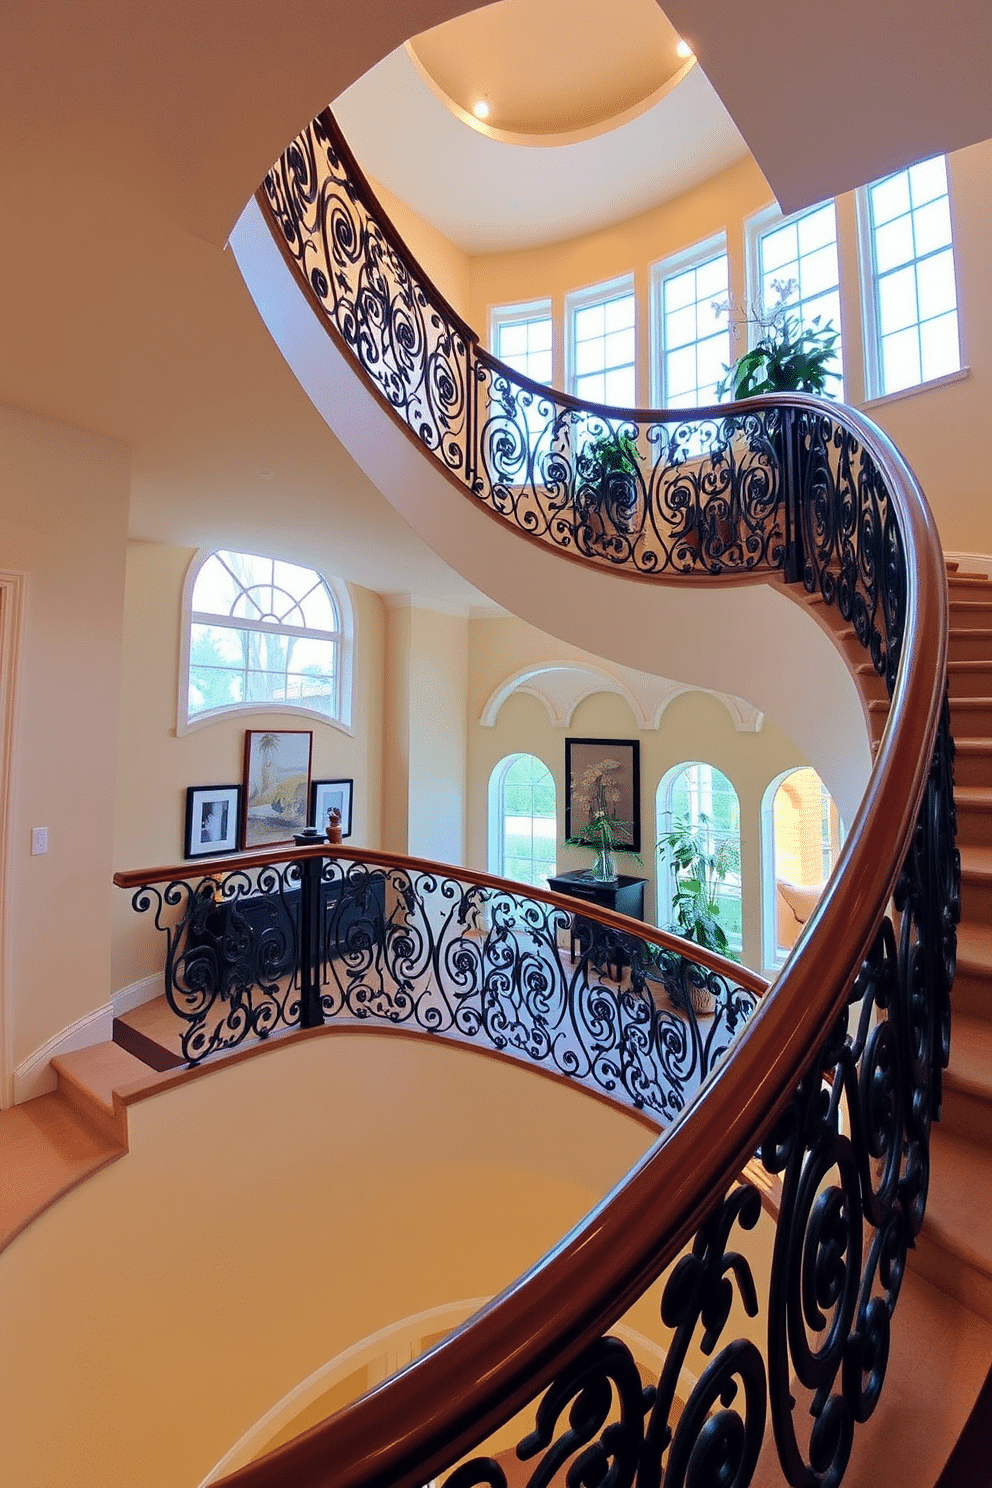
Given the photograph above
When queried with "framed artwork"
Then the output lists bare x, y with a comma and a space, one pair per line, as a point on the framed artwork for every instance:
277, 785
213, 819
604, 774
327, 796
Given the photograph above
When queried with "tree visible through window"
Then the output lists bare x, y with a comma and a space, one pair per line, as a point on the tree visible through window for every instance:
262, 632
524, 821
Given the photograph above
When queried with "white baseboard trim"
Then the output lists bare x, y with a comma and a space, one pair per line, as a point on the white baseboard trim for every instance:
35, 1076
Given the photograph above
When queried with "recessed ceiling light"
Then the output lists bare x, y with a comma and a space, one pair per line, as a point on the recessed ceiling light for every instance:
481, 108
683, 49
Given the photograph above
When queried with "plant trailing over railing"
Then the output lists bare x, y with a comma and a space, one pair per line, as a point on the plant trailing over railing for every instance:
836, 1079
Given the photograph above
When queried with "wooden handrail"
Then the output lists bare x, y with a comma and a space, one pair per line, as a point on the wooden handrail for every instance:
203, 868
423, 1419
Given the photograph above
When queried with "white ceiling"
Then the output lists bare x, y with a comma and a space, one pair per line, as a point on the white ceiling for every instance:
489, 195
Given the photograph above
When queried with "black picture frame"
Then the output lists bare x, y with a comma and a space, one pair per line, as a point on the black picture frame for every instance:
213, 821
582, 755
327, 793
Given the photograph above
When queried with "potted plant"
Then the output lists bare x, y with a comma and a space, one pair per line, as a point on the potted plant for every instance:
788, 357
607, 470
701, 860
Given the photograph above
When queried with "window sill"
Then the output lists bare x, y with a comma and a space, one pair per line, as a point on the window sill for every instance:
918, 387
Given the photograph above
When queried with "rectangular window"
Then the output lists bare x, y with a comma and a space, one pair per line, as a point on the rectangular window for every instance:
690, 308
911, 310
793, 263
602, 343
520, 335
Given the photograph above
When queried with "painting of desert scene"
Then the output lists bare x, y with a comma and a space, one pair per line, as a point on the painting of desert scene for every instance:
277, 785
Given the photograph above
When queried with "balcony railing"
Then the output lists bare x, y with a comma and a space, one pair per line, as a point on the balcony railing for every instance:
835, 1079
297, 939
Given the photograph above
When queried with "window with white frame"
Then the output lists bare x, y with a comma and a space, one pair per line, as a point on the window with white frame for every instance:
523, 821
262, 634
601, 343
911, 309
801, 836
521, 336
793, 263
691, 332
701, 796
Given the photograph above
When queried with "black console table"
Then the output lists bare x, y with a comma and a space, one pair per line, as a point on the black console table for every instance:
625, 895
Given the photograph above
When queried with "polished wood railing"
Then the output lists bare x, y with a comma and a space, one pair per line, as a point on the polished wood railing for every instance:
835, 1080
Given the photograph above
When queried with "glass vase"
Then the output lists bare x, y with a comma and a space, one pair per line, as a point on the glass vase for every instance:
605, 867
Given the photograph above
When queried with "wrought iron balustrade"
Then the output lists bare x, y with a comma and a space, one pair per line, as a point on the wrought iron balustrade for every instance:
835, 1079
299, 941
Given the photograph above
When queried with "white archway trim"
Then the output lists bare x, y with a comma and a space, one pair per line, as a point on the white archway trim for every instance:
561, 686
12, 588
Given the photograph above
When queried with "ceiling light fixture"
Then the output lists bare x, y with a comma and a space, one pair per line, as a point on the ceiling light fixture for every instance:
683, 49
481, 108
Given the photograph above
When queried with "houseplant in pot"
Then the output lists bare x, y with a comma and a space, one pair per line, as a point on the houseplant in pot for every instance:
701, 860
788, 357
607, 470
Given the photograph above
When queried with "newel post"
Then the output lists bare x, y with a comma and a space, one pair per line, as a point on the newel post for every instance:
311, 919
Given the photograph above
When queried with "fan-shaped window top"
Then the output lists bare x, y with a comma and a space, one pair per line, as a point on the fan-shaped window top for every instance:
263, 634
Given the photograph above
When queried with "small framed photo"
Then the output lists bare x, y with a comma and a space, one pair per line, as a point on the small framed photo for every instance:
213, 816
277, 785
604, 775
327, 796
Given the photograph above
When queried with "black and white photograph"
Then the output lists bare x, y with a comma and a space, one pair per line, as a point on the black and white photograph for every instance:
213, 815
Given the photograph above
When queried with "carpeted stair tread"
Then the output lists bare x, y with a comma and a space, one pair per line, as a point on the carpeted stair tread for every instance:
959, 1214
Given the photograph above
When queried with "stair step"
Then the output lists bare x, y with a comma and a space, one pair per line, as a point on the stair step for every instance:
971, 718
976, 884
971, 995
88, 1079
973, 804
915, 1427
969, 645
46, 1149
970, 679
971, 614
153, 1034
967, 1108
960, 585
973, 762
954, 1248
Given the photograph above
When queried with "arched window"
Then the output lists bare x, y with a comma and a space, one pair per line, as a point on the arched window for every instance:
702, 796
523, 820
263, 634
801, 834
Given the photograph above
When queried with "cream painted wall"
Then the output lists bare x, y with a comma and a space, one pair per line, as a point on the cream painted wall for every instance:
424, 784
718, 205
248, 1271
695, 725
64, 505
156, 766
935, 428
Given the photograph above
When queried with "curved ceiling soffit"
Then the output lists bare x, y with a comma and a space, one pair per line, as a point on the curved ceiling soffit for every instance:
512, 196
547, 139
561, 687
